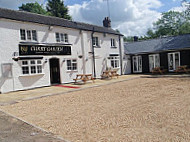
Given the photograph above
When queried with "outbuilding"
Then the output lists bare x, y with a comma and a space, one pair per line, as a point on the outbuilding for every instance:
38, 50
166, 52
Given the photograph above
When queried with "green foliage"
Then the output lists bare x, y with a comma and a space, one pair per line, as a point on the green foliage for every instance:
54, 8
58, 9
172, 23
34, 8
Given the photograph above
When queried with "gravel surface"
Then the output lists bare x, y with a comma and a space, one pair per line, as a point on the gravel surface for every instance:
144, 109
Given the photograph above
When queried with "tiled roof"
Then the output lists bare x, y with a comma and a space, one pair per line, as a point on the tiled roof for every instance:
158, 45
53, 21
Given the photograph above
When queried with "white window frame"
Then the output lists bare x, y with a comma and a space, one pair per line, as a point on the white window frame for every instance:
113, 43
115, 60
154, 61
138, 58
95, 41
28, 35
29, 65
173, 56
73, 61
61, 37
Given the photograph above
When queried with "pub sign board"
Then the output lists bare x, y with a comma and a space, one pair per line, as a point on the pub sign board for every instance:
44, 50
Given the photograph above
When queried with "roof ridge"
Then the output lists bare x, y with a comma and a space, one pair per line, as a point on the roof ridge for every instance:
107, 30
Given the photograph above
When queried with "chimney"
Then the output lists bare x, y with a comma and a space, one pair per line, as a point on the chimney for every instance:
107, 22
136, 38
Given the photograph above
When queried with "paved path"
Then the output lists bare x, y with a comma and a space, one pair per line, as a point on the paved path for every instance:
15, 130
18, 96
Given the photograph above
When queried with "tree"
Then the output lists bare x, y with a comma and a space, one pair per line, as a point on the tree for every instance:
34, 8
58, 9
170, 23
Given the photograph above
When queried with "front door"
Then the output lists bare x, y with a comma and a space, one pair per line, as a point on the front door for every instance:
154, 61
137, 64
54, 71
173, 61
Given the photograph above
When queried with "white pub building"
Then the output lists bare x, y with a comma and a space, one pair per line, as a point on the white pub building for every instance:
37, 50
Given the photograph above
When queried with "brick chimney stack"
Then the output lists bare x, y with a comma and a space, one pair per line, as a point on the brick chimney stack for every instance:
107, 22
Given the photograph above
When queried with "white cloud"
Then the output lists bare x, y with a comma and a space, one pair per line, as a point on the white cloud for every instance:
180, 8
14, 4
131, 17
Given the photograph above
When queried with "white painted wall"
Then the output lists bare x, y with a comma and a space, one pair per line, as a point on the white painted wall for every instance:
9, 43
127, 64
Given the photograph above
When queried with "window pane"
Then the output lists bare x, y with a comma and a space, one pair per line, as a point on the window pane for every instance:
25, 70
39, 69
171, 67
96, 41
39, 62
33, 69
74, 66
32, 62
68, 62
22, 34
57, 37
157, 60
34, 35
151, 62
66, 38
62, 37
112, 63
176, 60
29, 35
24, 62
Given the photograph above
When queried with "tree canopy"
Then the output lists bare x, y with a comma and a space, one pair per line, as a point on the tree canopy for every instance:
58, 9
54, 8
172, 23
33, 7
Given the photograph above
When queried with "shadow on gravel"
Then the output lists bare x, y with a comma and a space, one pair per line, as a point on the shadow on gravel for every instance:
171, 75
14, 130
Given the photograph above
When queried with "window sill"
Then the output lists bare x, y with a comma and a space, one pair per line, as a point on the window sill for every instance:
69, 71
28, 75
96, 46
32, 41
114, 47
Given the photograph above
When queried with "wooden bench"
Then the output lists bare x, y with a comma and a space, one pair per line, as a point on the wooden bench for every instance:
182, 69
84, 77
109, 74
114, 73
159, 70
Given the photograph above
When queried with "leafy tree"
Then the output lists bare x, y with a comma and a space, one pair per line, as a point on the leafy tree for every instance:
58, 9
172, 23
34, 8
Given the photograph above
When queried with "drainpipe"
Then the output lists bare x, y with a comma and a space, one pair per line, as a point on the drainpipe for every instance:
93, 54
121, 57
83, 53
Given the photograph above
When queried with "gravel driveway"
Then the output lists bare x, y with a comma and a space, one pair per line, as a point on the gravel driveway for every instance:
144, 109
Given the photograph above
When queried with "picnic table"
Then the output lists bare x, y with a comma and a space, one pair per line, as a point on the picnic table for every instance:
109, 74
182, 69
84, 77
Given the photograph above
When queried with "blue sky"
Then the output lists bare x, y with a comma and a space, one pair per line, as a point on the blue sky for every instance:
130, 17
167, 4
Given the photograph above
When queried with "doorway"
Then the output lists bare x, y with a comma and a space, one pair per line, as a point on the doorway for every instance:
54, 71
173, 61
137, 64
154, 61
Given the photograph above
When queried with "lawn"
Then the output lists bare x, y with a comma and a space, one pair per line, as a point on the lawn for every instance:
143, 109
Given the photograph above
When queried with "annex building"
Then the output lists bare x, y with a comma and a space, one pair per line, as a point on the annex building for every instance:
37, 50
168, 53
